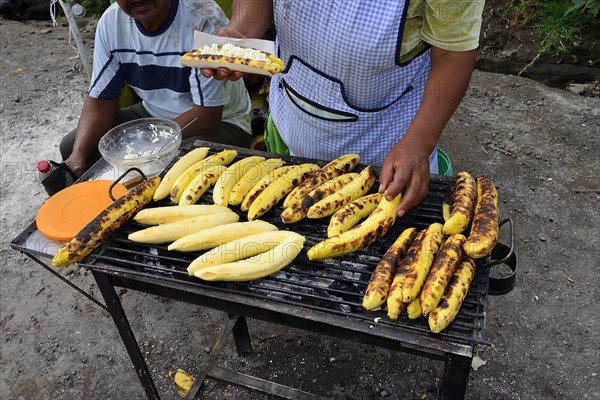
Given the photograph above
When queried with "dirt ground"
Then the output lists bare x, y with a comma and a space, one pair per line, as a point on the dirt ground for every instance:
540, 146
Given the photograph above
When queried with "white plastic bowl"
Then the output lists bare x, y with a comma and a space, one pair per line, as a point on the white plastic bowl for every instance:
148, 144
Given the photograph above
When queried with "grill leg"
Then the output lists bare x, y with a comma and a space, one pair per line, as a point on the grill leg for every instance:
118, 314
456, 377
241, 336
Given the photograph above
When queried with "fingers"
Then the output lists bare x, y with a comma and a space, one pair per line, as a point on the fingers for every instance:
415, 193
221, 73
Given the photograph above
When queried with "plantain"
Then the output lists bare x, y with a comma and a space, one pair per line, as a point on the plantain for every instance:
362, 235
349, 215
222, 158
238, 249
464, 197
352, 191
183, 381
262, 185
231, 176
420, 264
444, 265
161, 215
413, 309
177, 169
453, 297
278, 189
258, 266
298, 210
107, 222
200, 184
394, 302
251, 177
333, 169
484, 229
171, 231
215, 236
381, 279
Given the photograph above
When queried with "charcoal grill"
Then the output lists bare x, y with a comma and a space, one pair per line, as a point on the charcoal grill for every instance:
318, 296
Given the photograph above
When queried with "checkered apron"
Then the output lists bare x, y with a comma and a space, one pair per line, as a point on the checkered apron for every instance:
344, 89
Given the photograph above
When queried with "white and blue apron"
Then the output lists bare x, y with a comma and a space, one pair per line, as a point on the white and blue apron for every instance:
344, 89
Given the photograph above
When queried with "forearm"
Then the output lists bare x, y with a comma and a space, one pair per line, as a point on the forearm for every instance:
444, 90
200, 120
251, 18
97, 118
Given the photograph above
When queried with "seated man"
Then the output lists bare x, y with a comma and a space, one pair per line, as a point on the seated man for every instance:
140, 43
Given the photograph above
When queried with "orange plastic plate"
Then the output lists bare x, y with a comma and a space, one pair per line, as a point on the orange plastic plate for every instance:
63, 215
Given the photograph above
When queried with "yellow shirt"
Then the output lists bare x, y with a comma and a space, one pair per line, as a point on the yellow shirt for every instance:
449, 25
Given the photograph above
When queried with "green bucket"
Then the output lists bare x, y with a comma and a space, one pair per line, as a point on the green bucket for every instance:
444, 166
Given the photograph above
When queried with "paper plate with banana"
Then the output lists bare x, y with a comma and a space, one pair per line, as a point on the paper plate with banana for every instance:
253, 56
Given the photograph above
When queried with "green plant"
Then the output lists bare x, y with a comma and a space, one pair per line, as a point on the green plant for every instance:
591, 6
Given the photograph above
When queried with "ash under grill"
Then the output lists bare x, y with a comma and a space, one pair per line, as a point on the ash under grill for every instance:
333, 286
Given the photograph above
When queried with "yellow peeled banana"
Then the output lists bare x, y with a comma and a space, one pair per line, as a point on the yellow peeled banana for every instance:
298, 210
350, 192
335, 168
171, 231
421, 262
183, 381
485, 226
162, 215
238, 249
349, 215
229, 178
464, 197
444, 265
381, 279
258, 266
177, 169
278, 189
107, 222
251, 177
221, 158
448, 307
262, 185
200, 184
362, 235
215, 236
394, 302
413, 309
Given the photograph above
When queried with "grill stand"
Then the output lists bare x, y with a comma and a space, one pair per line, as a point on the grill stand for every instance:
453, 386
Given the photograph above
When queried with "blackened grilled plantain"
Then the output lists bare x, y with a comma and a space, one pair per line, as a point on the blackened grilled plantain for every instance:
484, 230
464, 197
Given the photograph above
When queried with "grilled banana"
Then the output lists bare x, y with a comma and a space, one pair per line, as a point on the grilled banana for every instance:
238, 249
222, 158
200, 184
257, 266
444, 265
216, 236
484, 229
171, 231
107, 222
418, 269
177, 169
413, 309
349, 215
453, 297
231, 176
335, 168
381, 279
251, 177
262, 185
278, 189
352, 191
370, 230
394, 302
298, 210
464, 197
161, 215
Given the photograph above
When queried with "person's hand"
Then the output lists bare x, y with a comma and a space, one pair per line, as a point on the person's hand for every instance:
76, 164
222, 73
405, 167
